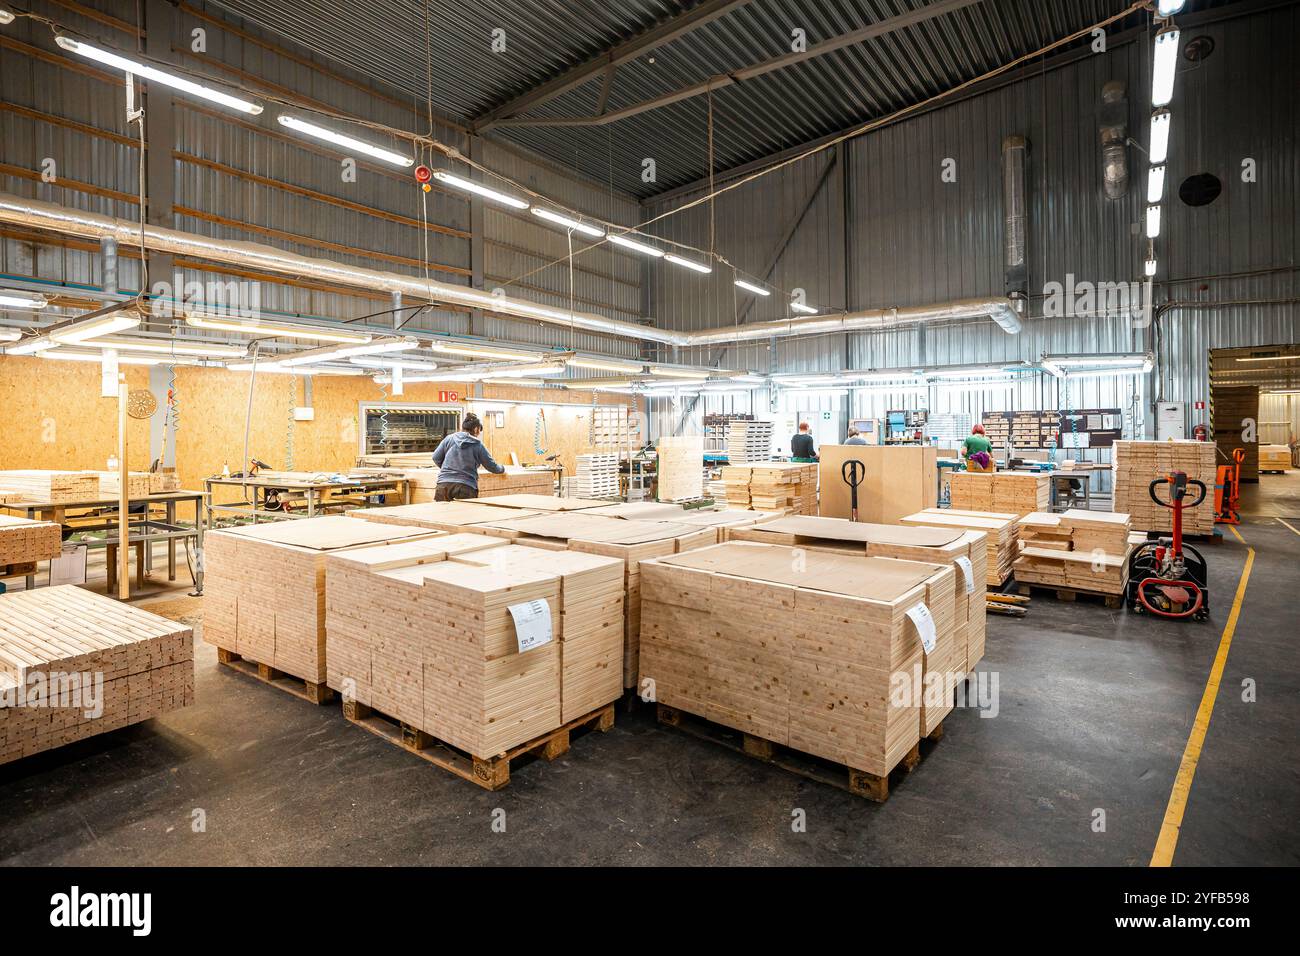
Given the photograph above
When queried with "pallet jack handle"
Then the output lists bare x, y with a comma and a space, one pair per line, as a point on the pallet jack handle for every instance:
853, 471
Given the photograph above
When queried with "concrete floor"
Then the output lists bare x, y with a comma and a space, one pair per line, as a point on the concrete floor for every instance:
1094, 713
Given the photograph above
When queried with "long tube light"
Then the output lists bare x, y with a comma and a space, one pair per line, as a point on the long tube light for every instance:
19, 299
331, 353
688, 263
685, 373
1156, 183
568, 222
805, 309
1159, 146
273, 368
607, 365
1164, 65
1153, 222
641, 247
366, 361
320, 132
222, 323
31, 346
750, 287
10, 335
84, 356
484, 351
469, 186
172, 347
157, 76
79, 332
1075, 365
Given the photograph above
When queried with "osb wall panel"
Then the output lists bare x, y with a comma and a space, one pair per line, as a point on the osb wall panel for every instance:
54, 417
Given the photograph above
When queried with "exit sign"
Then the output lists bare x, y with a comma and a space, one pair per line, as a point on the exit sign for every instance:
448, 396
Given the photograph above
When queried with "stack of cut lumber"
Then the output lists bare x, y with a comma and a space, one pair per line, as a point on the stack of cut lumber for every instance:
1000, 529
1274, 457
596, 476
53, 639
23, 541
264, 587
789, 487
1136, 464
448, 660
680, 467
139, 484
52, 486
749, 442
1018, 493
1081, 550
812, 650
161, 482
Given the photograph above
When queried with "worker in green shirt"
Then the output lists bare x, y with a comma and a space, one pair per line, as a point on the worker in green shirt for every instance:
977, 450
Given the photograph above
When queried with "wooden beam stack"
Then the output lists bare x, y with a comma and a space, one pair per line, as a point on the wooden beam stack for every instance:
1000, 530
23, 541
596, 476
1010, 492
133, 665
53, 486
139, 484
680, 467
1080, 550
1135, 464
749, 442
789, 487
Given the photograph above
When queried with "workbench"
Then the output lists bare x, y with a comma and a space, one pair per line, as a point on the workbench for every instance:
101, 514
318, 496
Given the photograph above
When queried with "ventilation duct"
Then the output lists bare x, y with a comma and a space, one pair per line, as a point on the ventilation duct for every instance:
1114, 139
1014, 256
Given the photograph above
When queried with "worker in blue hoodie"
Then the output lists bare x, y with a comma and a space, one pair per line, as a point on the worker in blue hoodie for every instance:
458, 457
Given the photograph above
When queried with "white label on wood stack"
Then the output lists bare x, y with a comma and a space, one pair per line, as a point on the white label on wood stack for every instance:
964, 564
532, 624
924, 622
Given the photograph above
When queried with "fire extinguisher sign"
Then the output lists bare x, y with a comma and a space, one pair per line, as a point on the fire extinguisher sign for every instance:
448, 396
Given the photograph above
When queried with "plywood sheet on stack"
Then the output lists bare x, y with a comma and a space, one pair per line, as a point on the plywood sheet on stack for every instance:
540, 503
136, 665
23, 541
1094, 557
264, 587
1135, 464
680, 467
897, 481
1000, 530
642, 511
439, 515
800, 651
53, 486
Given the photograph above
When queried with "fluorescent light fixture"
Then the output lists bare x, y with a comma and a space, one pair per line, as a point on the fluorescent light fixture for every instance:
1098, 364
157, 76
174, 347
223, 323
273, 368
1156, 183
641, 247
987, 386
10, 335
805, 309
330, 353
1149, 268
366, 361
974, 371
751, 379
85, 356
607, 365
6, 16
688, 263
479, 190
750, 287
1158, 149
685, 373
1167, 8
484, 351
79, 332
569, 223
525, 369
18, 299
1153, 221
1164, 64
30, 346
347, 142
1270, 358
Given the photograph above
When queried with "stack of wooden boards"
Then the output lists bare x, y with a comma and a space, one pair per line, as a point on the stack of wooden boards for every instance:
23, 541
423, 482
614, 426
1080, 550
596, 476
1274, 457
1000, 530
264, 587
1011, 492
680, 467
52, 486
789, 487
803, 648
749, 442
58, 644
896, 481
1137, 463
139, 484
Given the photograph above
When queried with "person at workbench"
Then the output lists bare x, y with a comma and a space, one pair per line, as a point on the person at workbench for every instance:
458, 457
854, 438
977, 450
801, 445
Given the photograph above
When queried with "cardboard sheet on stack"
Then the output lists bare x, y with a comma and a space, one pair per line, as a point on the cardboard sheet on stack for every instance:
1080, 550
1009, 492
801, 651
23, 541
264, 587
790, 487
54, 639
1135, 464
448, 658
53, 486
749, 442
1001, 530
680, 467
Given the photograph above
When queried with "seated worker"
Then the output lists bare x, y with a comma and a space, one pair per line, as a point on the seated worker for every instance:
854, 438
801, 445
977, 450
458, 457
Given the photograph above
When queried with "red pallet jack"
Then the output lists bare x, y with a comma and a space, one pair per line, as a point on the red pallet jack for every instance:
1166, 577
1227, 490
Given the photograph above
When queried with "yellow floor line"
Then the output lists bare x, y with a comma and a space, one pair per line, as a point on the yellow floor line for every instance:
1168, 839
1289, 525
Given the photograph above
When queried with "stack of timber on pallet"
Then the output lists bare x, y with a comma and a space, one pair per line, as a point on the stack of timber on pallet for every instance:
23, 541
1018, 493
264, 587
613, 426
802, 651
749, 442
1274, 457
52, 486
52, 639
896, 481
448, 661
596, 476
1137, 463
516, 480
1080, 550
632, 541
789, 487
1001, 532
1231, 408
680, 467
966, 551
138, 484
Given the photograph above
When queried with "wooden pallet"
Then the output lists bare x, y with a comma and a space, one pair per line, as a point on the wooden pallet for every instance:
1113, 601
490, 773
857, 782
308, 691
17, 570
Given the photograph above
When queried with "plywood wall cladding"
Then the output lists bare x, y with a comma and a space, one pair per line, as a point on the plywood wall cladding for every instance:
55, 418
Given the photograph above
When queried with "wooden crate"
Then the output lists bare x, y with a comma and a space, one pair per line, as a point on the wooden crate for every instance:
898, 481
145, 662
23, 541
